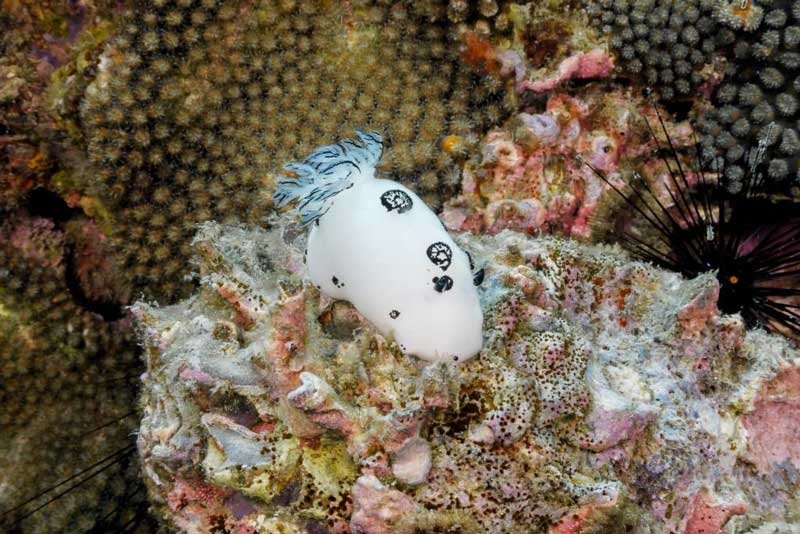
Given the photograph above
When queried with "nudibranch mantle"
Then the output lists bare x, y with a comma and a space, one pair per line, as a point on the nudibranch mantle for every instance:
375, 243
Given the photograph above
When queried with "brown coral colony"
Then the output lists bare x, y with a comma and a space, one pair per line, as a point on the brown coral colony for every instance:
194, 105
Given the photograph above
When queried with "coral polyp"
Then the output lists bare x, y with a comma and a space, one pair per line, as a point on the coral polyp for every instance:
759, 94
668, 44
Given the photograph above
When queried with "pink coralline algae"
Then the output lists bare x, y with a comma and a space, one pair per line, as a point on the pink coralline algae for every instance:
532, 176
37, 239
377, 507
707, 516
596, 63
609, 396
774, 425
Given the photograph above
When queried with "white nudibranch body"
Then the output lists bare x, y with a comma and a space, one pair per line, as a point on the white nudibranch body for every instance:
374, 243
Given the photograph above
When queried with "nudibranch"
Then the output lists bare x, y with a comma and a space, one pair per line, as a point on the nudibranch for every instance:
374, 243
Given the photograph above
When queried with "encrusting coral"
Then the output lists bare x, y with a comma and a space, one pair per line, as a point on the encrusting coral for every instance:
66, 396
608, 393
195, 104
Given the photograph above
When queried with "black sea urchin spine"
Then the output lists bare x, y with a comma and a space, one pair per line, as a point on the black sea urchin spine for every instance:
751, 240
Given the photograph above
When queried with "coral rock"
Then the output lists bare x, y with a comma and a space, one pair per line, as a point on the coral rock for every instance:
608, 393
376, 508
530, 176
593, 64
773, 427
708, 517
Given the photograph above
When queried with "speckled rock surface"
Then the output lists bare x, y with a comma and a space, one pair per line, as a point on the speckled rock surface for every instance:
609, 395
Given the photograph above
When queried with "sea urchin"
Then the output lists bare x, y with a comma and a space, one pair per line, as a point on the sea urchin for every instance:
750, 239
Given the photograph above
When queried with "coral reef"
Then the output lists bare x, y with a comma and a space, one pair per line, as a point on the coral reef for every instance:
745, 54
68, 363
193, 107
609, 394
67, 394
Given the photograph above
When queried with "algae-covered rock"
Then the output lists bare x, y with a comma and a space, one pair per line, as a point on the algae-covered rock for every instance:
608, 395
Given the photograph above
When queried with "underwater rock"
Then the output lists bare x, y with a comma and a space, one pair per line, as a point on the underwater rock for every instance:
773, 426
378, 507
608, 393
706, 516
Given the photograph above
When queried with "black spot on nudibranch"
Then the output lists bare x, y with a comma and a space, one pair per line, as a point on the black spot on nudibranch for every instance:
477, 278
440, 254
394, 314
395, 199
336, 282
471, 263
442, 283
